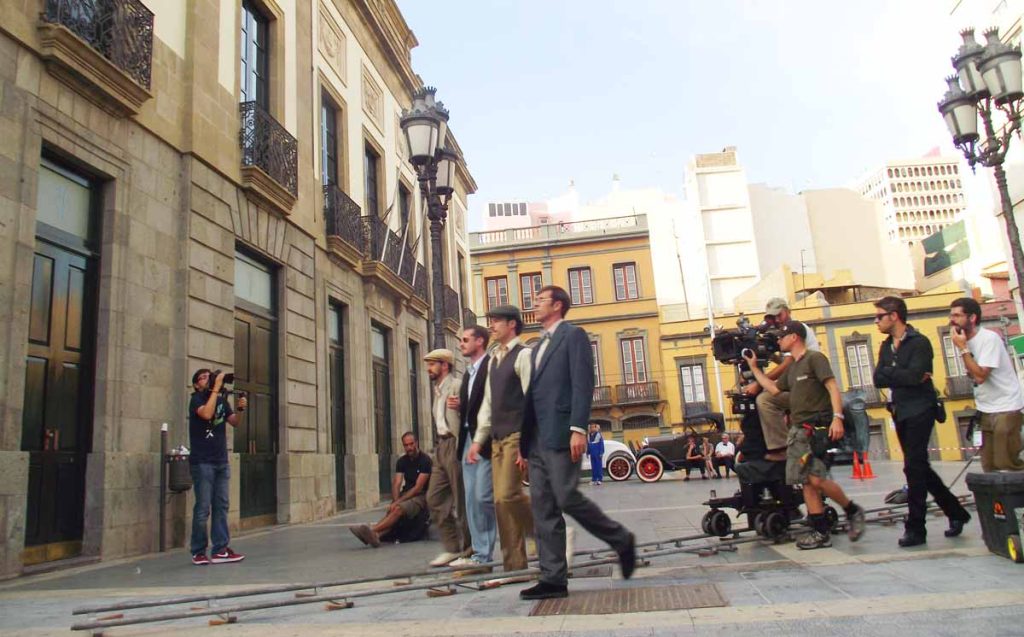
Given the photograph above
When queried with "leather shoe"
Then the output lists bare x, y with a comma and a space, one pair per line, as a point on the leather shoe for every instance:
627, 558
543, 590
956, 527
912, 539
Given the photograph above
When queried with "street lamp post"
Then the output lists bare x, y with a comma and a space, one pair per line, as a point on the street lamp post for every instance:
425, 126
988, 78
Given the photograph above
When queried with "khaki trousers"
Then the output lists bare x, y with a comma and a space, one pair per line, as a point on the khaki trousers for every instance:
771, 410
511, 505
1000, 441
445, 496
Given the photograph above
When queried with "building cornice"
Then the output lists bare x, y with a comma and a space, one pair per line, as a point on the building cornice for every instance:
395, 37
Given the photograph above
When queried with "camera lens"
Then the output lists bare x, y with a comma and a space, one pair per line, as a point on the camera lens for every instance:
747, 352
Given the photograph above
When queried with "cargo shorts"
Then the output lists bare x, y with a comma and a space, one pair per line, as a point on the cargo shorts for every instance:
801, 461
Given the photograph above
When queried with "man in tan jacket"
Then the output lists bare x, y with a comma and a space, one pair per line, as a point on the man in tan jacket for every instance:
445, 492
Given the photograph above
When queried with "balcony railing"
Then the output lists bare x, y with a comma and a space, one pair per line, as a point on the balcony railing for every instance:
408, 267
343, 217
452, 310
268, 146
637, 393
602, 396
468, 317
119, 30
382, 244
690, 408
420, 284
529, 318
959, 387
563, 231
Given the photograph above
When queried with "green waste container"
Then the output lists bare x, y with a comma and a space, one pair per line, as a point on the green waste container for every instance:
1000, 501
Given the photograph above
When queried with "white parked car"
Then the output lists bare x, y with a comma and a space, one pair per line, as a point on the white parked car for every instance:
619, 461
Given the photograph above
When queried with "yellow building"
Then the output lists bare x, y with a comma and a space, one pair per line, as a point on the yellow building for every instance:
605, 265
851, 341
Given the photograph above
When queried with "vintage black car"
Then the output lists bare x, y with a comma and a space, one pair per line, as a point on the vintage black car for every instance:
659, 454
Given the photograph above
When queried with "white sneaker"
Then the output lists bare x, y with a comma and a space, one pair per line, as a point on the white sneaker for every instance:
464, 562
444, 559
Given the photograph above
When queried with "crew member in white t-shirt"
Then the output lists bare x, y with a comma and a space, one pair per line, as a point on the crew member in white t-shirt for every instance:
725, 454
997, 391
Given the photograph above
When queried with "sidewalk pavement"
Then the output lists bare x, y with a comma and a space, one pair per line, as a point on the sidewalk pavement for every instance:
950, 586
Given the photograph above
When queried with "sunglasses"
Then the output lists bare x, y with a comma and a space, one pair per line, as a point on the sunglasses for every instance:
879, 317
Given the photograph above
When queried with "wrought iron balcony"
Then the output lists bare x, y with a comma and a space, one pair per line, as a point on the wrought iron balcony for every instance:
382, 244
268, 146
634, 393
115, 65
408, 268
344, 219
420, 284
602, 396
692, 408
468, 317
959, 387
452, 308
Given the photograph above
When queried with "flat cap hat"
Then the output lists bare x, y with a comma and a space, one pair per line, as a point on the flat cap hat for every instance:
507, 312
442, 355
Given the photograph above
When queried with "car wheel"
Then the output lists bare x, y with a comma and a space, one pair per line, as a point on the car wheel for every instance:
619, 467
705, 522
649, 468
758, 523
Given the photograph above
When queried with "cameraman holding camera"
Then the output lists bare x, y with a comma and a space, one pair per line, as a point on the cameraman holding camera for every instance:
208, 411
772, 408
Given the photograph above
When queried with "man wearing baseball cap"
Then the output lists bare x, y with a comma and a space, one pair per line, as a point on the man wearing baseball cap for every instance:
816, 417
444, 492
772, 408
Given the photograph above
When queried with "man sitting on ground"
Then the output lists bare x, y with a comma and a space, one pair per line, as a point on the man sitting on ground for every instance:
408, 493
725, 453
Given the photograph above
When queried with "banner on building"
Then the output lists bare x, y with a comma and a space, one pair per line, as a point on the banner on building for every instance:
945, 248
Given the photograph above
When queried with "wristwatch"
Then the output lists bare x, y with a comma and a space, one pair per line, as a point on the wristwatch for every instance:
839, 416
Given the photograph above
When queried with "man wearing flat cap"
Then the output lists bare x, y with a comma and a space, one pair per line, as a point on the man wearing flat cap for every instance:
444, 493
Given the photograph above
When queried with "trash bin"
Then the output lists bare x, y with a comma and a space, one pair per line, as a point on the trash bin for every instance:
1000, 501
179, 473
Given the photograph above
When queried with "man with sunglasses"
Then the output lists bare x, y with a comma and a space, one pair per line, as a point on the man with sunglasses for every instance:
814, 403
905, 368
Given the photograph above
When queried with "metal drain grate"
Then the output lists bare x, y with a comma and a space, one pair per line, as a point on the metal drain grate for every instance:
632, 600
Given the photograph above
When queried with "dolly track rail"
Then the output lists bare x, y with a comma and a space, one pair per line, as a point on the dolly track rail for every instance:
435, 578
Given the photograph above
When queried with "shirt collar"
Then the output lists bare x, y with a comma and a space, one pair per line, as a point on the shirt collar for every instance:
475, 367
511, 344
551, 332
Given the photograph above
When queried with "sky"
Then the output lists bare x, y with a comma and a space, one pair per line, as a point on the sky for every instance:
812, 93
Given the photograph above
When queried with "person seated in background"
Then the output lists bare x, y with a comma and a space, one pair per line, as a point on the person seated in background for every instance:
725, 455
708, 450
408, 499
695, 457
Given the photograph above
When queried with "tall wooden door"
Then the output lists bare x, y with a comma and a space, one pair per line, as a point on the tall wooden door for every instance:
56, 424
336, 364
256, 434
382, 407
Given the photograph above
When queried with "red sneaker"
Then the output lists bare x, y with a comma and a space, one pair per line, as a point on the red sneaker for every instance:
225, 556
200, 559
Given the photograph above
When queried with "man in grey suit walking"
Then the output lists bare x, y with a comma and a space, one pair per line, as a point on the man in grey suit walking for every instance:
554, 438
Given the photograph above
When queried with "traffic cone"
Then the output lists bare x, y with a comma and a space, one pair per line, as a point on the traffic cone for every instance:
856, 468
868, 474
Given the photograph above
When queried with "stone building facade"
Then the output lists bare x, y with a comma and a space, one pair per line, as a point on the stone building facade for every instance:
165, 208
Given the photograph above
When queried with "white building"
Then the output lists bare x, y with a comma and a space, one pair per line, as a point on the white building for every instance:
919, 197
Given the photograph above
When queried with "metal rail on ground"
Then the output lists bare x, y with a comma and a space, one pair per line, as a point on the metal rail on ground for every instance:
455, 578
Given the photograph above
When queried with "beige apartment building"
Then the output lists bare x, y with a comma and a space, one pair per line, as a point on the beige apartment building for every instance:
217, 184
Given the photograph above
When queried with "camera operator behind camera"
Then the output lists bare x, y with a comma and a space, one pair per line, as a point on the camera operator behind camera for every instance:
208, 412
772, 408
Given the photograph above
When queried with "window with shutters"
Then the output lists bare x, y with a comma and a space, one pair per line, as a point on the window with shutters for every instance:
596, 351
529, 285
581, 286
858, 364
626, 287
497, 292
634, 364
954, 363
691, 380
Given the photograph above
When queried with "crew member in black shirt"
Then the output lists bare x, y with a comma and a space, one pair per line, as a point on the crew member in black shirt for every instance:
905, 367
208, 413
408, 492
